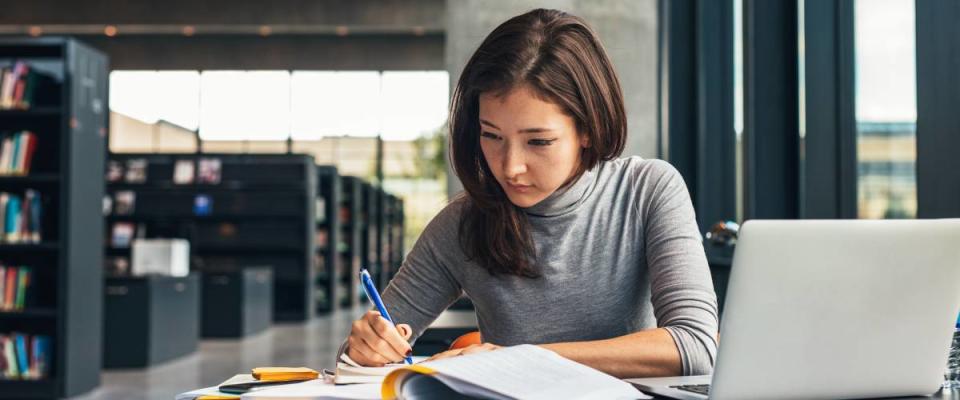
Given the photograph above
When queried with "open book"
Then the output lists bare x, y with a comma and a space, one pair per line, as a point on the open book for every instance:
518, 372
349, 371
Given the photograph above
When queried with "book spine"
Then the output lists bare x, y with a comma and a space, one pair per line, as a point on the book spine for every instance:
36, 213
31, 139
11, 287
5, 88
23, 366
24, 284
11, 356
13, 219
42, 352
5, 146
3, 284
4, 199
15, 154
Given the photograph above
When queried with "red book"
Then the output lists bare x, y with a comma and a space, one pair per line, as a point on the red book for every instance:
30, 140
11, 288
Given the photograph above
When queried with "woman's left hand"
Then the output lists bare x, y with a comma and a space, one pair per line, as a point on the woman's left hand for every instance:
474, 348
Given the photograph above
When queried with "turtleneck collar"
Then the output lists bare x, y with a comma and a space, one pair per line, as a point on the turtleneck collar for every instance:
566, 199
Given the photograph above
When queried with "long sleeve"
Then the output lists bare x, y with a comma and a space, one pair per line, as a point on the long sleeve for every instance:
682, 293
423, 286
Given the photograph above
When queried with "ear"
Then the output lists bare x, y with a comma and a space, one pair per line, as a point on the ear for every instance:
585, 141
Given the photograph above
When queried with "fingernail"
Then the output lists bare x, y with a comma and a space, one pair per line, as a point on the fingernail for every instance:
409, 352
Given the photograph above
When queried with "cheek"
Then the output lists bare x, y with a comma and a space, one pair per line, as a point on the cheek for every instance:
491, 156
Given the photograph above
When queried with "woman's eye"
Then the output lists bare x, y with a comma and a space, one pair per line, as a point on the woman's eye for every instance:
489, 135
541, 142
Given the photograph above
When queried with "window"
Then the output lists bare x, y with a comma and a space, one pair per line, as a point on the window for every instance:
886, 108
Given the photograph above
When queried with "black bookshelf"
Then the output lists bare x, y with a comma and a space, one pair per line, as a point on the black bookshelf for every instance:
329, 244
68, 114
370, 234
351, 226
259, 213
393, 231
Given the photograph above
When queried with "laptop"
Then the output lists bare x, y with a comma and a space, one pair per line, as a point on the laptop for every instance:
820, 309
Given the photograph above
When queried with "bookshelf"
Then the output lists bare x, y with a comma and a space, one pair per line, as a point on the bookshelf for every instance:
66, 87
239, 211
351, 224
393, 222
370, 233
327, 261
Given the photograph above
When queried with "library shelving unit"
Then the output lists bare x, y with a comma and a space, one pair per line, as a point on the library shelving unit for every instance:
370, 234
351, 226
67, 93
393, 222
328, 238
237, 211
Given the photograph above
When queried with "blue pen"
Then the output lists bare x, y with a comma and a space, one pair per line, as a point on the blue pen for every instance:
374, 296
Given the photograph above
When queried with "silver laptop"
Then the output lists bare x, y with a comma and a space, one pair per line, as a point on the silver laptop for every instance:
833, 309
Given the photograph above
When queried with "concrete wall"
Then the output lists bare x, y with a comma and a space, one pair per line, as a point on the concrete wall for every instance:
627, 28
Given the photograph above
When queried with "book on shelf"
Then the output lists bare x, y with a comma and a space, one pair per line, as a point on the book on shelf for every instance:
183, 172
321, 238
320, 209
20, 217
116, 266
121, 234
107, 205
136, 170
114, 171
14, 287
202, 205
19, 85
125, 202
25, 357
16, 152
209, 170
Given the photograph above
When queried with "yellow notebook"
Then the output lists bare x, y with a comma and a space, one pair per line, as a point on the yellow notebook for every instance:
518, 372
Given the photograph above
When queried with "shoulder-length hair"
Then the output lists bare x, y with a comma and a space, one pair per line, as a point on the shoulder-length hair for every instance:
561, 59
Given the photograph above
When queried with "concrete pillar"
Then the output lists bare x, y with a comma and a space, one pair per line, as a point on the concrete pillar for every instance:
627, 28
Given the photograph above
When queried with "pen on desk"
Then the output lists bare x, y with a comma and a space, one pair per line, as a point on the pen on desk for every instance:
374, 296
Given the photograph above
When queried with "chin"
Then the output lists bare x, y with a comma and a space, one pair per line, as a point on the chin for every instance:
524, 201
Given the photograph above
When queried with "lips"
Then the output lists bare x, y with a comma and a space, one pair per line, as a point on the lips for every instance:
519, 188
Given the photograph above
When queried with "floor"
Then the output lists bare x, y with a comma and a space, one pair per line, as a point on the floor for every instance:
312, 344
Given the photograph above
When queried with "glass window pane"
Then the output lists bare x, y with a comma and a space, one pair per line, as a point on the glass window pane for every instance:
886, 108
334, 103
239, 105
150, 96
414, 103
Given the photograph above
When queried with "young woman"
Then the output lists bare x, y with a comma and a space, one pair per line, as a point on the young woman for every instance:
557, 241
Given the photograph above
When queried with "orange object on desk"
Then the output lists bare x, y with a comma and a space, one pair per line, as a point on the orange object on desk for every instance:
284, 374
465, 340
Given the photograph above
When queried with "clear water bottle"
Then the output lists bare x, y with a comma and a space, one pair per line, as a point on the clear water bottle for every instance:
952, 376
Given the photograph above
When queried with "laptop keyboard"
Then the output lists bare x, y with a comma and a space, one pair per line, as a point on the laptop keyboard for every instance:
699, 389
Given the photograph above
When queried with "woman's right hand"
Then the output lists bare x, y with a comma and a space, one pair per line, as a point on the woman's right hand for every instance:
374, 341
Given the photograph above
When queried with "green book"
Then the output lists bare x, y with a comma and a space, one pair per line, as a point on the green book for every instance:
22, 285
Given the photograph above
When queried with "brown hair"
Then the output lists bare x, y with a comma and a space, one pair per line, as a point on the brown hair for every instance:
561, 59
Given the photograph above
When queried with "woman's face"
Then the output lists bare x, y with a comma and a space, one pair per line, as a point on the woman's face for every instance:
531, 145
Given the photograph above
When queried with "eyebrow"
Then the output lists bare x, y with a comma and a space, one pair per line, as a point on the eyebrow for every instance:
524, 130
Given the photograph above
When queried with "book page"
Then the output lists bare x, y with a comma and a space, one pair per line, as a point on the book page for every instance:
529, 372
316, 390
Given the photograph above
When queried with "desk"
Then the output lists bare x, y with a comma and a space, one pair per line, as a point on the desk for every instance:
444, 330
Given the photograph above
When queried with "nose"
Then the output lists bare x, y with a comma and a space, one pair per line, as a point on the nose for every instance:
514, 162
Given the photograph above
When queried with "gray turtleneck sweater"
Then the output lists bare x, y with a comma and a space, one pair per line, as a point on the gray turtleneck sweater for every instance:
619, 251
